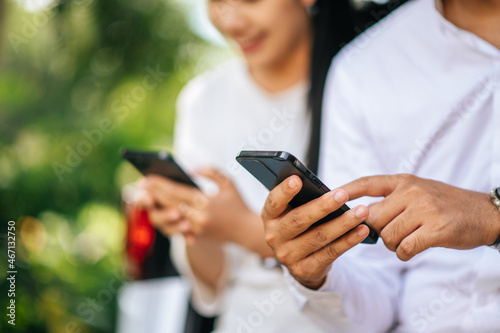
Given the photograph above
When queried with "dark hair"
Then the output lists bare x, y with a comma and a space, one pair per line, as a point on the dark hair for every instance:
335, 23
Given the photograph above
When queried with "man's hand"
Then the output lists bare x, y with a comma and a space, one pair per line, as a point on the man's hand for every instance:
417, 214
309, 253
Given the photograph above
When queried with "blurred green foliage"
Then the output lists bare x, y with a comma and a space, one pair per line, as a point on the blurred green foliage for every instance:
78, 80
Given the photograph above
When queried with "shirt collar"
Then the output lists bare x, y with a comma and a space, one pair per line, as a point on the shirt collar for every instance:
452, 31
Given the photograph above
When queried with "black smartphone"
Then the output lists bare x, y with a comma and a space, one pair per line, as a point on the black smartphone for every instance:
159, 163
273, 167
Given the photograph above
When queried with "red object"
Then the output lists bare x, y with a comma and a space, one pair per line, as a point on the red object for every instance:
140, 236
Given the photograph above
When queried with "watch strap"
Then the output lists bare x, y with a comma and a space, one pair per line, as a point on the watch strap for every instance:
495, 198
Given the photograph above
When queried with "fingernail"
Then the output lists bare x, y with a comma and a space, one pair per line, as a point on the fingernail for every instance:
362, 232
361, 212
293, 183
340, 196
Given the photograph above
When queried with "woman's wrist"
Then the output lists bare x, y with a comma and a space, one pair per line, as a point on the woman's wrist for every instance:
250, 234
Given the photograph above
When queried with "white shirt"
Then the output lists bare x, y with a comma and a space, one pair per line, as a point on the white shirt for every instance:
416, 94
219, 114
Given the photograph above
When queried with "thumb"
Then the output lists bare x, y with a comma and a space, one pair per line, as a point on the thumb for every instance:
215, 175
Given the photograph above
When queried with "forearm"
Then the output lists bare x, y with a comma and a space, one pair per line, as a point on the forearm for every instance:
205, 299
251, 235
206, 259
494, 230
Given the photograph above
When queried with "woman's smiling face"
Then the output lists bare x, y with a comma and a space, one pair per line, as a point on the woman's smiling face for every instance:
266, 31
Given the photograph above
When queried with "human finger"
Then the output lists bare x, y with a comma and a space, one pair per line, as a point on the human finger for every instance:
194, 216
301, 218
217, 176
168, 192
316, 238
398, 229
161, 217
416, 242
278, 199
384, 211
373, 186
311, 270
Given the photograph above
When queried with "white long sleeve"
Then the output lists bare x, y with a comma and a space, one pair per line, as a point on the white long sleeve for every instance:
414, 94
356, 291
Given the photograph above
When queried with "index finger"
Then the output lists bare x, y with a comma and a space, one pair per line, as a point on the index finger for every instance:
168, 192
373, 186
278, 199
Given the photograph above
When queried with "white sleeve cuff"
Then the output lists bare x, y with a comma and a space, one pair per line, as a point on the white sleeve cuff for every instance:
303, 294
324, 305
357, 293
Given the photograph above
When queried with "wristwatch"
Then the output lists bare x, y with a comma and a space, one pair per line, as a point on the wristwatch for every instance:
495, 197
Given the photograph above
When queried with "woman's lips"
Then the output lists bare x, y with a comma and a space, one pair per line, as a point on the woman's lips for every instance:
251, 46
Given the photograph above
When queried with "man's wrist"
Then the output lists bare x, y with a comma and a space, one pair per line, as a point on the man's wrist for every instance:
495, 198
313, 285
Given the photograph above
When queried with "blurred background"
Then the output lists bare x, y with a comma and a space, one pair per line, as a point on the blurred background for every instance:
79, 79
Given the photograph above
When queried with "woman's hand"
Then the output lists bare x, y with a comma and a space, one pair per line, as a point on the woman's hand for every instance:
175, 207
162, 198
220, 215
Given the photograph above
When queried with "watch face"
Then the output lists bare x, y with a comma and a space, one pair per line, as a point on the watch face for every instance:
497, 192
